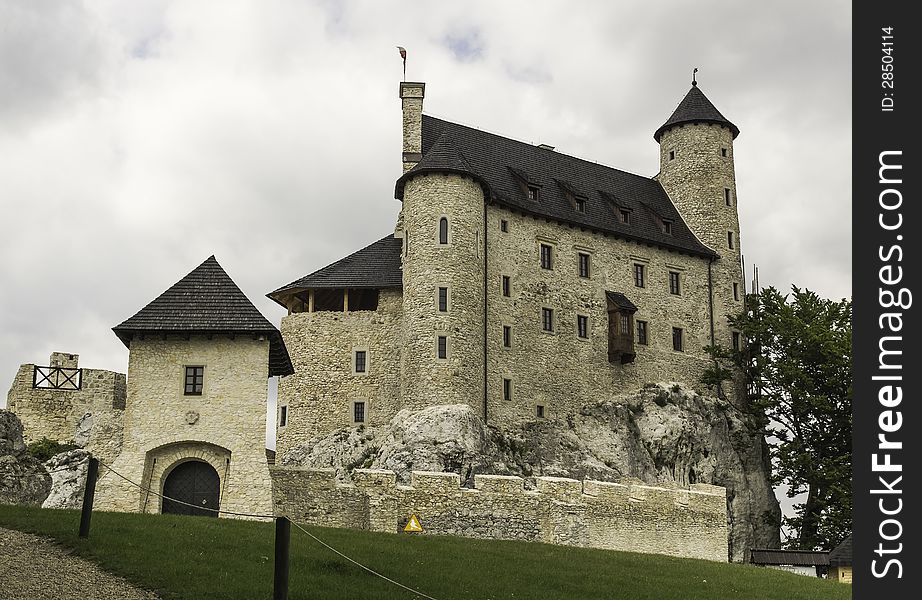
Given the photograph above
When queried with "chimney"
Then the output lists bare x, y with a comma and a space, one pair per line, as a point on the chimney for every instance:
411, 97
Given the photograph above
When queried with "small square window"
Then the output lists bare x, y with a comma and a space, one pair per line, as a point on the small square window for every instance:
539, 411
532, 193
582, 326
361, 361
507, 336
672, 155
579, 204
507, 389
195, 378
736, 291
283, 415
547, 319
736, 340
674, 283
677, 344
583, 264
443, 299
507, 286
625, 216
723, 152
547, 259
730, 240
503, 225
667, 227
442, 347
642, 333
638, 275
358, 412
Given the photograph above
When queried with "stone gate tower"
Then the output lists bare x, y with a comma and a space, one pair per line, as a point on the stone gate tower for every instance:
442, 224
696, 170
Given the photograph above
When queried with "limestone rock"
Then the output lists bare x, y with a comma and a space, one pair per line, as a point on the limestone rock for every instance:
83, 430
23, 479
68, 479
664, 434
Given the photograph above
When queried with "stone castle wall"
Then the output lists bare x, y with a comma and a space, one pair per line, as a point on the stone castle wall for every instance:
56, 414
630, 517
224, 426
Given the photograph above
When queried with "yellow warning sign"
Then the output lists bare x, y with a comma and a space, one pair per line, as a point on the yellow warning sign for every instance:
413, 525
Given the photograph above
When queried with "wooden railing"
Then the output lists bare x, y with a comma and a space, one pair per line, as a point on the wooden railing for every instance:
57, 378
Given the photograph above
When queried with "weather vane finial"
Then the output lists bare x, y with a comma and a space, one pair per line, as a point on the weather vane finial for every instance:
694, 82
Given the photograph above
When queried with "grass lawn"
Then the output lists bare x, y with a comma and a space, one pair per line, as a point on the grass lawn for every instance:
201, 559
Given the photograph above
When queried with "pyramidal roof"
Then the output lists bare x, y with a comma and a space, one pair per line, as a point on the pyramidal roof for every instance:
695, 108
206, 301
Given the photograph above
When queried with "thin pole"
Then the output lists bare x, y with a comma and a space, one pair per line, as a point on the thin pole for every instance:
89, 492
282, 545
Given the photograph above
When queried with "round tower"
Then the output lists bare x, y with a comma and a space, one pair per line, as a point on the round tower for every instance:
696, 170
443, 271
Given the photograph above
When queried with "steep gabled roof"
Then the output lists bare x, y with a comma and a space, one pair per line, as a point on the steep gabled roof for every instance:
206, 301
841, 556
374, 266
500, 164
695, 108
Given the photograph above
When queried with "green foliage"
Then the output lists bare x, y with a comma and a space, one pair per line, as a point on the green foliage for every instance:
799, 370
44, 448
225, 559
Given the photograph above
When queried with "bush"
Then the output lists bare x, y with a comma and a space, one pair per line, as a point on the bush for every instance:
45, 448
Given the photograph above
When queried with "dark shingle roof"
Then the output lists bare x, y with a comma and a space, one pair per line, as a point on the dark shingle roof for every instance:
502, 166
800, 558
374, 266
841, 556
207, 301
621, 300
695, 108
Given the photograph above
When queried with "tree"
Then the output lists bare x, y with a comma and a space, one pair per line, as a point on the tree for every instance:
798, 369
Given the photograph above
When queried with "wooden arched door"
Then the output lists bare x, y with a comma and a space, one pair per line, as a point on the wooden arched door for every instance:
194, 482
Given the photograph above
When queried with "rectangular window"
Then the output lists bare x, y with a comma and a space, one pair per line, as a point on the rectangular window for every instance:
443, 299
723, 152
625, 216
677, 339
507, 336
442, 350
638, 275
358, 412
642, 332
283, 415
195, 378
582, 326
507, 389
667, 227
532, 193
730, 240
547, 261
361, 361
507, 286
625, 322
547, 319
736, 291
580, 204
727, 196
674, 283
583, 264
672, 155
539, 411
503, 225
736, 340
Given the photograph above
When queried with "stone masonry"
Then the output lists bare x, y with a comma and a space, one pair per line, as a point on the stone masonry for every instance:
628, 516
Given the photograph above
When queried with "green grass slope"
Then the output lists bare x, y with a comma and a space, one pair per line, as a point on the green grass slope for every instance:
202, 559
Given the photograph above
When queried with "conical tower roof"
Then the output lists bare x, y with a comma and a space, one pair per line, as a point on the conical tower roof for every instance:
695, 108
206, 301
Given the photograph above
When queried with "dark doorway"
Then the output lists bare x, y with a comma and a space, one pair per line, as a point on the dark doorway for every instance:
194, 482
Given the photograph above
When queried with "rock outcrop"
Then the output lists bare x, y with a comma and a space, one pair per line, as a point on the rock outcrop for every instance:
664, 434
23, 479
68, 479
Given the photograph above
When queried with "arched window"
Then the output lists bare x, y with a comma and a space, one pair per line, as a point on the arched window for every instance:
443, 230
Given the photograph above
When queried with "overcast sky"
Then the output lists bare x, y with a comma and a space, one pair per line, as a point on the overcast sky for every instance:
138, 138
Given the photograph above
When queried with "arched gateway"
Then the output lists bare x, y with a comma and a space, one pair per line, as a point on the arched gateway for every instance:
194, 482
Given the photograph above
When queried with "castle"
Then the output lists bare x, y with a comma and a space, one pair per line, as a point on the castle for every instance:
518, 280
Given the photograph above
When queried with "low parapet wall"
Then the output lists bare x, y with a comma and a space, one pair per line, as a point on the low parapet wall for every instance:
629, 516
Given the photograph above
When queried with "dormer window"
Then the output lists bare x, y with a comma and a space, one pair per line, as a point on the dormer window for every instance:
533, 193
579, 204
625, 216
667, 227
